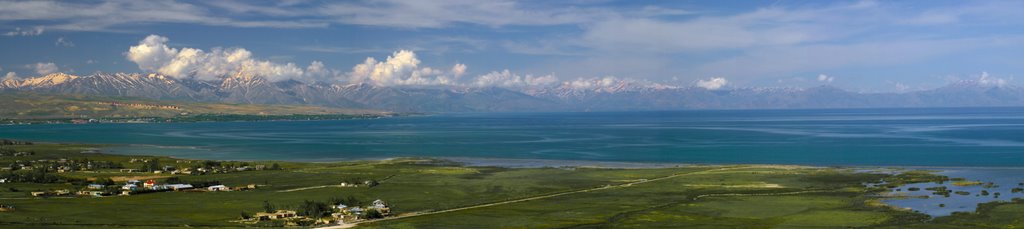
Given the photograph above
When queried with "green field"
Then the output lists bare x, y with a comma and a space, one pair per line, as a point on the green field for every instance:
423, 193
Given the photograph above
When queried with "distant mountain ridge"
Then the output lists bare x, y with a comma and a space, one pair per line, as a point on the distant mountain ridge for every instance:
617, 96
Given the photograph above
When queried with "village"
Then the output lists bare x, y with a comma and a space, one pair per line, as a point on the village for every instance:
107, 177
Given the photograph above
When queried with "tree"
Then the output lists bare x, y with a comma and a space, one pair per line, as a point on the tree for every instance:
373, 214
313, 209
105, 181
275, 166
151, 165
267, 207
245, 215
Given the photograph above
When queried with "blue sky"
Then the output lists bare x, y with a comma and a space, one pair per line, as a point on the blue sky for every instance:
858, 45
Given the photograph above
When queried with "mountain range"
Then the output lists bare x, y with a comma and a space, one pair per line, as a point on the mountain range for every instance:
616, 96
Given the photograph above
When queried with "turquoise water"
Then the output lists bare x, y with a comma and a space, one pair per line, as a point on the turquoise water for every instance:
918, 137
925, 201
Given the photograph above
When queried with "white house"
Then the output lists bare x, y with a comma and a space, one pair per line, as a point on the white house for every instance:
220, 187
130, 187
178, 186
379, 204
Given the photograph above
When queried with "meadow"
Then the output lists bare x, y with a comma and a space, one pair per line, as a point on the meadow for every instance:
428, 193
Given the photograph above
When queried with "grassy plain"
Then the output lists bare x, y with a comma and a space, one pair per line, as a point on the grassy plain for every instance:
725, 196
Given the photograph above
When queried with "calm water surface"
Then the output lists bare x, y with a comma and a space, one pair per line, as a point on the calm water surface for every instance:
921, 137
925, 201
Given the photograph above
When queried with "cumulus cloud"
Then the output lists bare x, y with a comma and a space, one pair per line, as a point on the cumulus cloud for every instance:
900, 87
612, 83
825, 78
61, 41
153, 54
401, 68
712, 83
458, 70
509, 80
988, 80
592, 83
34, 31
10, 76
44, 68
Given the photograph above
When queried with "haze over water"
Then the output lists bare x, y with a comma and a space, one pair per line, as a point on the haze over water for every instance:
908, 137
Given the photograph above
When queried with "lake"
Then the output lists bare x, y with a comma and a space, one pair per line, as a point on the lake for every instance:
982, 137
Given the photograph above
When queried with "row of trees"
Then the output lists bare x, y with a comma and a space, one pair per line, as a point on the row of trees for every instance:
151, 165
4, 151
318, 209
37, 175
8, 142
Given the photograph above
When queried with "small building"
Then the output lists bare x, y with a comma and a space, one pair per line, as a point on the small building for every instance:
38, 194
91, 193
218, 188
340, 206
129, 187
279, 214
380, 206
129, 170
355, 210
96, 186
177, 187
149, 184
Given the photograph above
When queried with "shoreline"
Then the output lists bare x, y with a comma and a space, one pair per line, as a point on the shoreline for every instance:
525, 162
516, 162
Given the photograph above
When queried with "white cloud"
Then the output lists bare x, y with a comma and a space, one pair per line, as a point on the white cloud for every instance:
401, 68
109, 14
10, 76
44, 68
61, 41
593, 83
458, 70
712, 83
153, 54
436, 14
34, 31
507, 79
825, 78
986, 79
900, 87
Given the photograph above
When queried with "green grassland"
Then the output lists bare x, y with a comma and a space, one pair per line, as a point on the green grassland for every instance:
422, 192
26, 105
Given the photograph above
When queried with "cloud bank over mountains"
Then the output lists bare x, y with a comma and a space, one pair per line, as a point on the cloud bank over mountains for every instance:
154, 55
872, 45
401, 68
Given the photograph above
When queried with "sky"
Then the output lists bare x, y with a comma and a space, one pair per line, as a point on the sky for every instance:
867, 46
